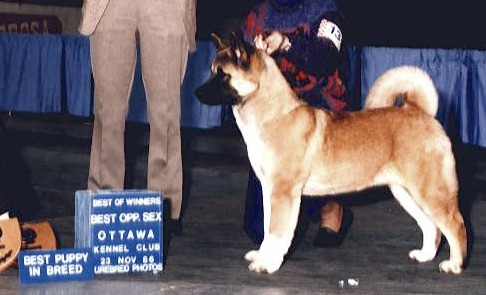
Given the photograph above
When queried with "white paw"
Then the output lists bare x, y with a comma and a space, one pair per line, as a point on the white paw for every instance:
264, 262
421, 255
251, 255
449, 266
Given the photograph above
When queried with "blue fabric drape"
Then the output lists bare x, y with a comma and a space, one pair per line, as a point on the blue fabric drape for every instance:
195, 114
77, 76
30, 76
52, 73
459, 75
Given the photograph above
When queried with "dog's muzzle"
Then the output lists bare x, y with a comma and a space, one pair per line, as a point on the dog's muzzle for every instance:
217, 91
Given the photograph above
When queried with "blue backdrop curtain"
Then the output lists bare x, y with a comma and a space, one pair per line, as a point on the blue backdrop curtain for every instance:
459, 75
50, 74
76, 70
30, 76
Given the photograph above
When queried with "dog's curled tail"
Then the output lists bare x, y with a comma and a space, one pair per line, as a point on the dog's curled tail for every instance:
406, 86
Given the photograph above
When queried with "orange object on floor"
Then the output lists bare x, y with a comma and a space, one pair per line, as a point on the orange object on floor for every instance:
10, 242
15, 236
38, 236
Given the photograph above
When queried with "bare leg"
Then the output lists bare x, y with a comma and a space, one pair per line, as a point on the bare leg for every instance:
335, 222
331, 215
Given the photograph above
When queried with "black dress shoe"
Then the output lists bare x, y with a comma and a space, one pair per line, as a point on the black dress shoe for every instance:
327, 238
174, 227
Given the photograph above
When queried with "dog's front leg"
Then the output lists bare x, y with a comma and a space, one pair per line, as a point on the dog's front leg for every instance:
281, 211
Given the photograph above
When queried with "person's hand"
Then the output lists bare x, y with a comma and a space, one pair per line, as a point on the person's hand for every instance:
276, 41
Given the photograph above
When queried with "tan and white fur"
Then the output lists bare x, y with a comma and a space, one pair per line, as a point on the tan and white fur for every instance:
298, 150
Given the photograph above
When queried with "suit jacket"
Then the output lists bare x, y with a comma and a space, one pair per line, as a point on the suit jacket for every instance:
93, 10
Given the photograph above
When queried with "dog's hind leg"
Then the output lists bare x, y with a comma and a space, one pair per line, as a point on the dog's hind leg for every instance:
454, 230
430, 233
444, 216
282, 207
447, 217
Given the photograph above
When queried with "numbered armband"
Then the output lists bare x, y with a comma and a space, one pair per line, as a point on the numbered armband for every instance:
329, 30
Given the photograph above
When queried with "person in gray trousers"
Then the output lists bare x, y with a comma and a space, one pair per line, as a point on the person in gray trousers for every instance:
166, 32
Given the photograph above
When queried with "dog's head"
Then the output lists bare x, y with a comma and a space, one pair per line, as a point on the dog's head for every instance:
235, 73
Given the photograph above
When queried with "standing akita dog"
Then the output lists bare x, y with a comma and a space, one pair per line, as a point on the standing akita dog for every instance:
297, 150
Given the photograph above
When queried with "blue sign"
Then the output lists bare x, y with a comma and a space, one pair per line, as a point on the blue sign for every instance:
43, 266
123, 228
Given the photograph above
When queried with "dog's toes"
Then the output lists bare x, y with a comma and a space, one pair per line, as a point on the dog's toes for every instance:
421, 255
256, 267
264, 265
268, 263
251, 255
450, 267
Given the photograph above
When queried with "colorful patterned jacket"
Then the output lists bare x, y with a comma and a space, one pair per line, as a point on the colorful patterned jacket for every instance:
315, 61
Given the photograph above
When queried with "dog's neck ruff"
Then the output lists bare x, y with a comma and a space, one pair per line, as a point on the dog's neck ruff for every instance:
271, 98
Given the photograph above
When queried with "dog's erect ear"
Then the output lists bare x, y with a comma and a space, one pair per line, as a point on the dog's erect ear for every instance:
218, 42
241, 50
236, 40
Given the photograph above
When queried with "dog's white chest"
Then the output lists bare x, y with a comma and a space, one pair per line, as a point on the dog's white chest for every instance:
254, 143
